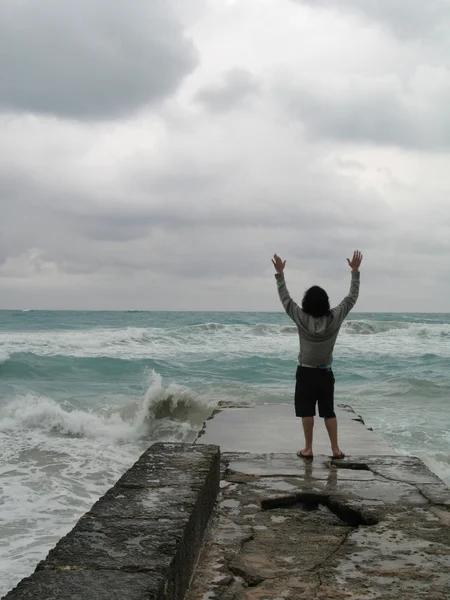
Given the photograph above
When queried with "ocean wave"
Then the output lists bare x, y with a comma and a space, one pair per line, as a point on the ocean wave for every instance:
173, 412
204, 327
290, 330
211, 340
398, 387
233, 329
81, 343
372, 327
4, 356
439, 463
134, 342
28, 367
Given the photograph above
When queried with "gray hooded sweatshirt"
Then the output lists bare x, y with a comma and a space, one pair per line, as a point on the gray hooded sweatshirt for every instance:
317, 336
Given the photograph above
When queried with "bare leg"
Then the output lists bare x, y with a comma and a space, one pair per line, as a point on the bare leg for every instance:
308, 426
332, 428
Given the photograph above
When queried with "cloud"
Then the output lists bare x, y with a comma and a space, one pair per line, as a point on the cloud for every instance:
376, 110
237, 85
408, 19
311, 135
227, 204
90, 60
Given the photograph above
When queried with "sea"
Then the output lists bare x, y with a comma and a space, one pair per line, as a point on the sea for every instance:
83, 394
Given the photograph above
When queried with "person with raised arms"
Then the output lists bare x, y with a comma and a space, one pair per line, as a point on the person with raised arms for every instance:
318, 327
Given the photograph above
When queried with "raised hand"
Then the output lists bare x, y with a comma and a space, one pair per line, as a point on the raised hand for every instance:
278, 263
356, 260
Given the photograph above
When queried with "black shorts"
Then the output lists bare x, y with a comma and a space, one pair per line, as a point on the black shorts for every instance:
314, 385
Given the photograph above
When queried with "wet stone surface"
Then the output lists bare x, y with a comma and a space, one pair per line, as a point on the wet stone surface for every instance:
168, 465
79, 585
141, 540
127, 544
435, 493
284, 528
408, 469
166, 502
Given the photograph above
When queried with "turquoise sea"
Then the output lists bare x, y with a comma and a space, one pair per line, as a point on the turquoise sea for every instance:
82, 394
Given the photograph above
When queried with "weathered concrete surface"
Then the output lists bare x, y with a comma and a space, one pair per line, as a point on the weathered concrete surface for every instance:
79, 585
274, 428
141, 540
289, 529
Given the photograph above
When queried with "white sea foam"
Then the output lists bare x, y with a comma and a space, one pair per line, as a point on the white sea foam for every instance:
154, 343
439, 463
139, 418
4, 356
56, 462
213, 339
372, 327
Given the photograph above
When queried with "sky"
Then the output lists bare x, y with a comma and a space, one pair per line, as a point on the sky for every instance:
154, 155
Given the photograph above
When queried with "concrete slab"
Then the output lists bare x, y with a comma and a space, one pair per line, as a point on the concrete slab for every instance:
150, 523
142, 545
89, 585
408, 469
167, 464
168, 502
284, 531
289, 465
273, 428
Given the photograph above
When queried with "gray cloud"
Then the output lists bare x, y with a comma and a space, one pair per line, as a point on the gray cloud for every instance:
237, 85
90, 59
183, 205
183, 217
405, 18
379, 111
349, 164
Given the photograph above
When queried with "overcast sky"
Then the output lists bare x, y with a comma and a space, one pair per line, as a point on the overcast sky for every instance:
154, 155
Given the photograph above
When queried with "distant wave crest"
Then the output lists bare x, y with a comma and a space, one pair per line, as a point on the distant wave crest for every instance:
209, 340
372, 327
259, 329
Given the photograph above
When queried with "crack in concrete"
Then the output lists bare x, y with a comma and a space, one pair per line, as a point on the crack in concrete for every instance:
251, 579
411, 484
376, 472
428, 499
236, 569
351, 466
236, 476
320, 584
317, 569
311, 500
320, 565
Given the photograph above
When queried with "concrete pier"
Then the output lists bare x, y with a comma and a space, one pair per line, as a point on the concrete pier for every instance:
274, 428
141, 540
375, 525
255, 522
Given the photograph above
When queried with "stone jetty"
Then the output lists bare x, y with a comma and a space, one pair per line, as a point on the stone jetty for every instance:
237, 516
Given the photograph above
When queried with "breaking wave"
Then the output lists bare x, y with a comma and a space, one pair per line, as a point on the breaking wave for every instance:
208, 340
171, 412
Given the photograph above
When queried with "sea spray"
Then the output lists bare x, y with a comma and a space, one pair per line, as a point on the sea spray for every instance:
173, 412
174, 407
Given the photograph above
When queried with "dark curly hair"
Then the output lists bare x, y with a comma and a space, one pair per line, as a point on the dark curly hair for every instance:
316, 302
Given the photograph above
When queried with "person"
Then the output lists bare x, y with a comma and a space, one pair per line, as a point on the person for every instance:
318, 327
